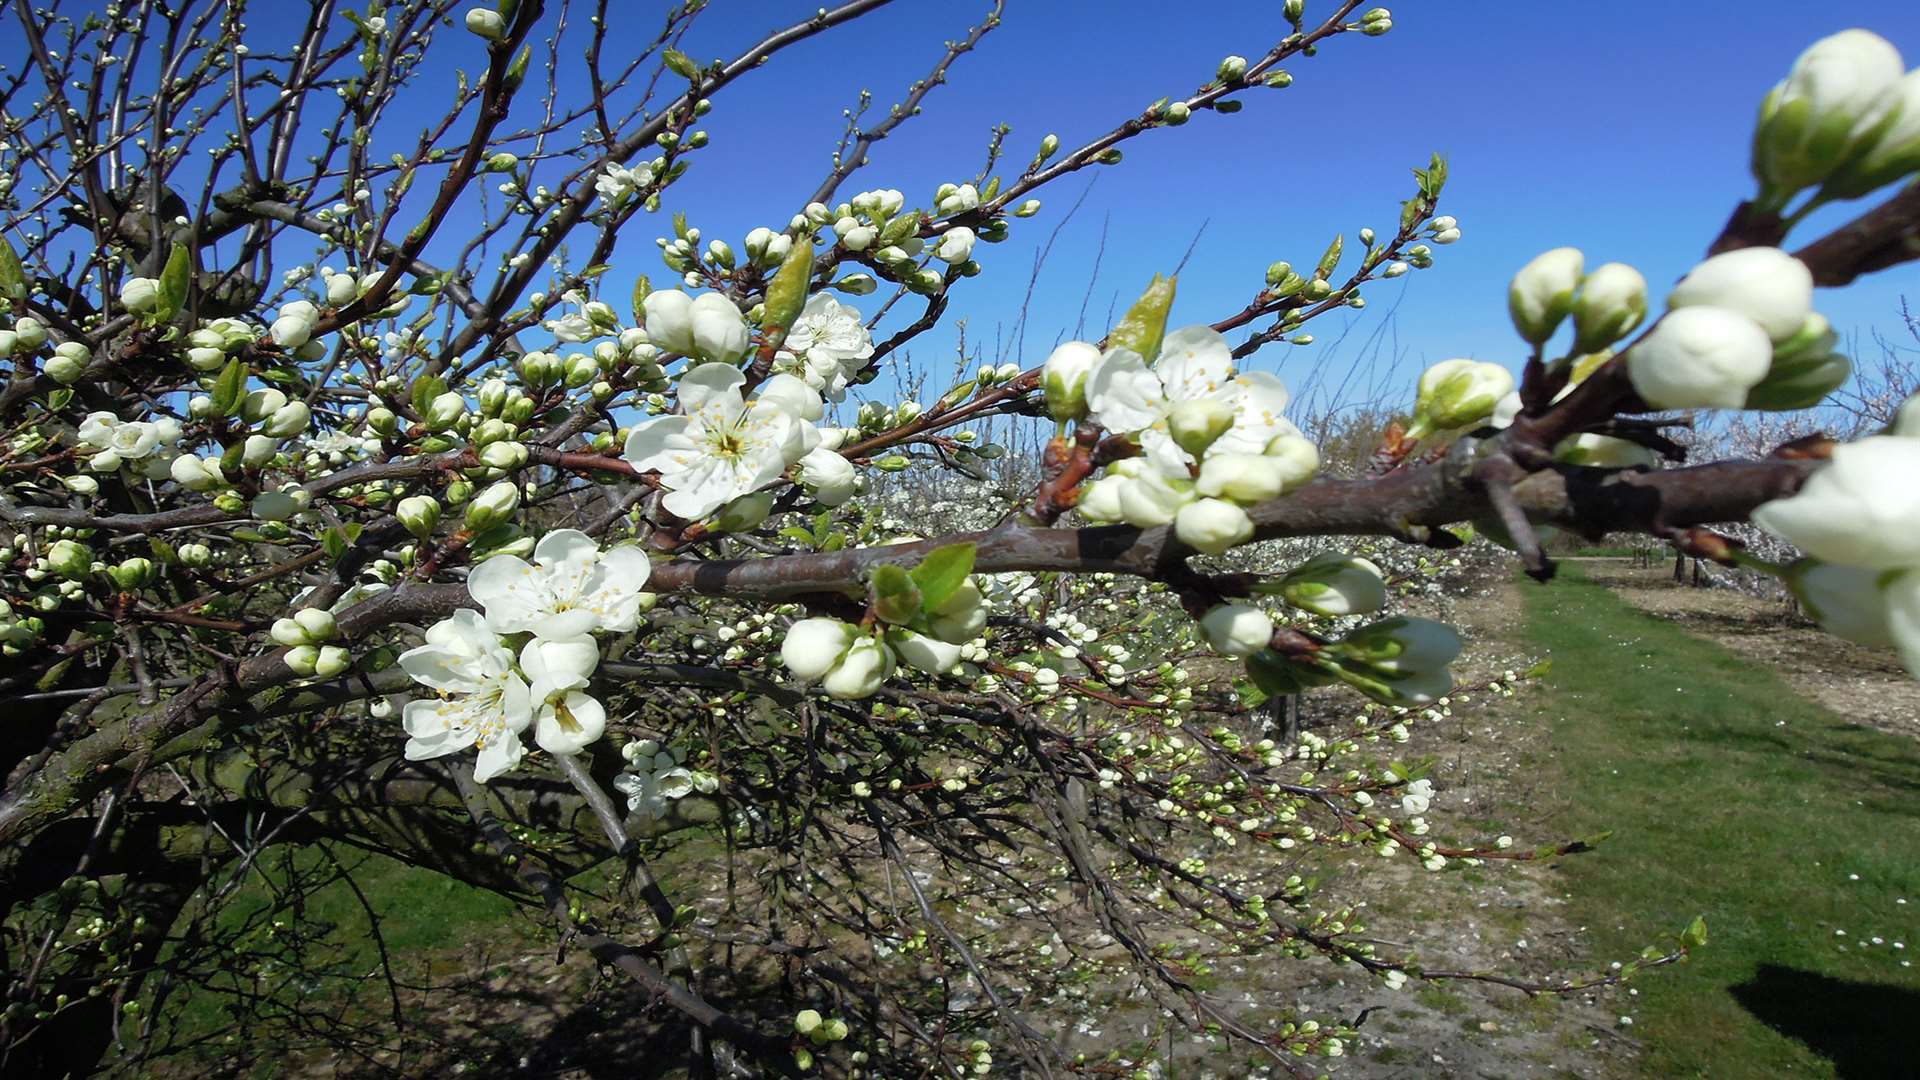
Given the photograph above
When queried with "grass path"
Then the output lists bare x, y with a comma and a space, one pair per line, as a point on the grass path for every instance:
1795, 832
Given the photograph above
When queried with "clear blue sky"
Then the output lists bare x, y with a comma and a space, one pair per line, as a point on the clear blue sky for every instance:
1619, 128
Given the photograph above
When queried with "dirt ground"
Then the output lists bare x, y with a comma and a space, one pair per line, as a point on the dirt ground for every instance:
1505, 918
1866, 685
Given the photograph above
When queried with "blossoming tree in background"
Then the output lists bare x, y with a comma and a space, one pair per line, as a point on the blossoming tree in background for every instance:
346, 505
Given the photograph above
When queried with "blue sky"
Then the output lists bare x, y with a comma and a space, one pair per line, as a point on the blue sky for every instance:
1623, 132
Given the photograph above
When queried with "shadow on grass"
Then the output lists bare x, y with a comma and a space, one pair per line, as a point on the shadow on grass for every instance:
1868, 1030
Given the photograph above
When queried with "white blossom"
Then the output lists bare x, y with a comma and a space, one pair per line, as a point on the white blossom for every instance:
571, 588
485, 703
828, 346
720, 446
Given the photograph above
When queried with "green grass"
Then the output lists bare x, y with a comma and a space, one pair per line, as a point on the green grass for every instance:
1730, 796
424, 916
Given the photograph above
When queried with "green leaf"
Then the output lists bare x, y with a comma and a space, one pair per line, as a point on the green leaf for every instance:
173, 284
230, 458
794, 534
518, 71
1146, 321
787, 292
60, 398
681, 64
1539, 670
230, 388
941, 573
642, 288
895, 597
1331, 259
335, 542
13, 276
900, 228
425, 389
1695, 935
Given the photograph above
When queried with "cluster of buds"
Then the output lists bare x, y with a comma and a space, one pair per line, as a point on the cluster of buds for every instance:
1740, 333
1846, 118
306, 633
923, 623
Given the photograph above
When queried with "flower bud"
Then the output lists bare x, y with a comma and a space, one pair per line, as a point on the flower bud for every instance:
928, 654
827, 476
382, 420
70, 559
444, 411
1612, 301
502, 162
194, 555
581, 369
865, 667
1027, 208
316, 623
1700, 357
1895, 153
301, 659
1065, 379
195, 473
1237, 630
744, 513
290, 332
1455, 393
806, 1021
341, 289
961, 617
1829, 110
1333, 584
288, 420
28, 334
493, 397
1247, 479
132, 574
1541, 294
1765, 284
204, 358
419, 514
1212, 525
258, 450
64, 370
487, 23
813, 646
956, 245
331, 660
81, 485
492, 506
1147, 498
140, 295
1806, 368
1197, 422
1231, 69
1299, 459
505, 455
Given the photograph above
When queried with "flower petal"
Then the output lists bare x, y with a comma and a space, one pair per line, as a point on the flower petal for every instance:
648, 447
1195, 361
1123, 394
